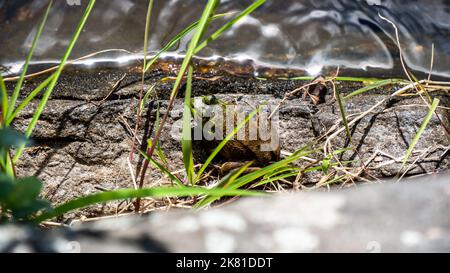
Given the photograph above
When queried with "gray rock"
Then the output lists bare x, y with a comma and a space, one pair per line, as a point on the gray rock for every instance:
408, 216
82, 142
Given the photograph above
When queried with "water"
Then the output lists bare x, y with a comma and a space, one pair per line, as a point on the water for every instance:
306, 36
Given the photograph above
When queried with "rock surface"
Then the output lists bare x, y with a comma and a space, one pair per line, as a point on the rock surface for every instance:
408, 216
82, 141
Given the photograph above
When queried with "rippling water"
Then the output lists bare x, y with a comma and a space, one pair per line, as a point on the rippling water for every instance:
305, 35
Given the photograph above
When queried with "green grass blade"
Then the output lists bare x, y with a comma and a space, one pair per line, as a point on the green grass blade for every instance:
228, 179
225, 141
334, 180
358, 79
231, 176
342, 111
147, 30
146, 97
300, 78
163, 169
275, 178
325, 166
419, 133
177, 38
186, 139
8, 139
253, 176
160, 153
4, 99
282, 170
234, 175
3, 155
123, 194
423, 89
52, 84
371, 86
343, 79
208, 12
29, 98
9, 167
159, 150
229, 24
242, 181
202, 25
19, 83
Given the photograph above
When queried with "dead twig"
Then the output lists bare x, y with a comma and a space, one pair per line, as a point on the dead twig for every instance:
15, 78
113, 89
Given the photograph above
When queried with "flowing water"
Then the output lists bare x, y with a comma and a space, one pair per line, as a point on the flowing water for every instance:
306, 36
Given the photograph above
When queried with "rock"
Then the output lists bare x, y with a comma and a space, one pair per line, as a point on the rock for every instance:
409, 216
82, 142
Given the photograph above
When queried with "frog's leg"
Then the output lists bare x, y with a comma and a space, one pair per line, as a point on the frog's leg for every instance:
231, 165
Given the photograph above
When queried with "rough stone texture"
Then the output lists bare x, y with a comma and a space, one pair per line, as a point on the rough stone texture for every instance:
81, 143
408, 216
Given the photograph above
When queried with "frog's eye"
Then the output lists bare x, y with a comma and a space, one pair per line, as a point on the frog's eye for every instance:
211, 99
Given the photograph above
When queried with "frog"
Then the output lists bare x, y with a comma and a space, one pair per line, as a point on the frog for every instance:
256, 141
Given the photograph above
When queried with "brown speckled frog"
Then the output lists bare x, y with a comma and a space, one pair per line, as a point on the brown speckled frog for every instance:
257, 140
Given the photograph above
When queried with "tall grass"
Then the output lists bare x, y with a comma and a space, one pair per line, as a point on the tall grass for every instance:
9, 112
193, 48
124, 194
8, 104
53, 81
233, 182
341, 105
186, 141
20, 197
177, 38
377, 84
229, 185
421, 130
15, 95
200, 29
